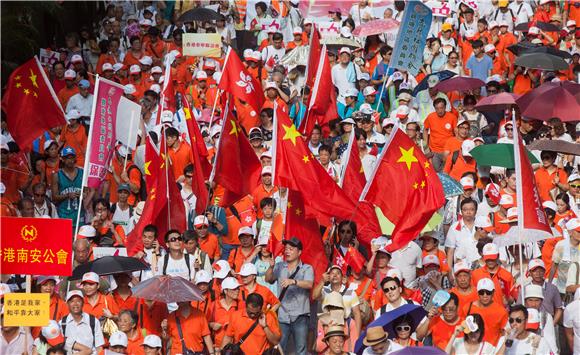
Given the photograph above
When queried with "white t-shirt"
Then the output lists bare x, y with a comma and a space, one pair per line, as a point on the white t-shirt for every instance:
177, 267
271, 52
390, 349
365, 14
462, 239
522, 11
524, 346
572, 320
408, 259
340, 80
485, 348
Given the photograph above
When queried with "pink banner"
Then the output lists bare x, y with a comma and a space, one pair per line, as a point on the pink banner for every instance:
102, 135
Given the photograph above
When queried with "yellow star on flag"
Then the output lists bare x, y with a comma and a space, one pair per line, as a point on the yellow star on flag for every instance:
146, 167
298, 211
18, 85
35, 94
362, 170
423, 184
32, 78
291, 133
305, 159
235, 128
427, 165
26, 91
407, 157
187, 113
17, 77
289, 204
152, 194
415, 186
163, 160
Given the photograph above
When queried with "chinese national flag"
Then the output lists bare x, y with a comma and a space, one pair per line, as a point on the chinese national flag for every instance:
299, 225
152, 163
237, 81
353, 179
313, 57
237, 167
405, 187
30, 104
297, 169
195, 138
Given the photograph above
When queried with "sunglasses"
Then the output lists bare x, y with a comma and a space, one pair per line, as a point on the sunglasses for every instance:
403, 328
575, 186
175, 239
517, 320
345, 231
484, 292
189, 176
509, 129
201, 227
392, 288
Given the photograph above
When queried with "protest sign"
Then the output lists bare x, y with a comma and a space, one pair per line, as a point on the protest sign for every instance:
127, 125
36, 246
202, 44
26, 309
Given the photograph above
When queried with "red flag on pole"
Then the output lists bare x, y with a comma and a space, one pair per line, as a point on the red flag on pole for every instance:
236, 81
195, 138
152, 163
313, 56
353, 179
405, 187
30, 104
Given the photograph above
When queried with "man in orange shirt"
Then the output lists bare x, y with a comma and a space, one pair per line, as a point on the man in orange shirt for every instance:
494, 315
464, 290
245, 252
549, 176
499, 66
179, 152
503, 279
266, 331
266, 189
70, 87
74, 135
248, 273
208, 242
461, 161
96, 303
442, 323
131, 175
439, 127
453, 144
188, 330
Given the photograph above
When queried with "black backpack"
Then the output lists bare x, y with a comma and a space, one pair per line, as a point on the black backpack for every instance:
166, 260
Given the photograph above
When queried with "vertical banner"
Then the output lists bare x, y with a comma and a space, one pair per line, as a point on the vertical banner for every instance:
408, 52
102, 137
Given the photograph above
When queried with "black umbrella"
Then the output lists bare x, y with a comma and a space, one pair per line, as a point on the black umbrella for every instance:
545, 26
442, 75
527, 49
199, 14
543, 61
108, 265
521, 47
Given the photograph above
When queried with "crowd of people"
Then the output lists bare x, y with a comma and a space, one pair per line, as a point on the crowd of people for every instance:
256, 302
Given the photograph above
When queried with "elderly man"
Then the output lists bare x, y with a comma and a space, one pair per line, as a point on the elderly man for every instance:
80, 328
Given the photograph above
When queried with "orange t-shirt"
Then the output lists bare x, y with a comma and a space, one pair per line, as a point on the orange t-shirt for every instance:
221, 315
65, 94
270, 300
522, 84
134, 178
464, 298
573, 9
256, 342
243, 206
259, 193
180, 158
135, 345
150, 318
494, 317
544, 181
104, 301
205, 306
131, 59
194, 328
441, 331
453, 144
442, 259
237, 258
130, 303
247, 116
210, 245
440, 130
548, 251
460, 167
502, 279
76, 139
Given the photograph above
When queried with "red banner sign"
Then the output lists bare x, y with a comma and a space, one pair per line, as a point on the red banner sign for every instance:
36, 246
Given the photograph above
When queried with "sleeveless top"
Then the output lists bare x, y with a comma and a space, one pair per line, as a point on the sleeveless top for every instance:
69, 208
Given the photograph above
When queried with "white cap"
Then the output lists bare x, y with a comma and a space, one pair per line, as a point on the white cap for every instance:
461, 121
52, 333
511, 215
495, 77
402, 111
201, 75
503, 23
145, 22
344, 50
551, 205
266, 170
156, 70
297, 30
117, 67
248, 269
460, 266
366, 109
70, 74
107, 66
247, 53
123, 151
490, 251
256, 55
74, 293
397, 76
245, 230
129, 89
155, 87
467, 183
118, 338
350, 92
364, 76
152, 341
493, 24
573, 176
534, 30
536, 263
533, 291
48, 143
431, 259
270, 85
73, 115
573, 224
215, 130
380, 241
221, 268
42, 279
570, 23
230, 283
134, 69
544, 2
483, 222
466, 147
506, 201
369, 90
534, 319
146, 60
166, 116
485, 284
396, 273
90, 277
76, 58
200, 220
87, 231
266, 154
202, 276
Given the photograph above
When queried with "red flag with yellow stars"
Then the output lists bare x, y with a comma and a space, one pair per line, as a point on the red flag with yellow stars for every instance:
297, 169
405, 187
237, 167
195, 138
152, 163
30, 104
353, 177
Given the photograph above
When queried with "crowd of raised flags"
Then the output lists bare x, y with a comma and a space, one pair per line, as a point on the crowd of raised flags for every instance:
322, 198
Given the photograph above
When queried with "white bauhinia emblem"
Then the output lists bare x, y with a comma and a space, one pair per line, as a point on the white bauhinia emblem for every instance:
245, 82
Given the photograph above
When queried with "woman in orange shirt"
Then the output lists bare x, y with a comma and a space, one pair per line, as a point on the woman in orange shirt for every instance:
74, 135
50, 164
223, 307
134, 53
57, 308
127, 322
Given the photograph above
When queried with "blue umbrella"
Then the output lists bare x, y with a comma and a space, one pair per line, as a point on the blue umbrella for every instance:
412, 311
442, 75
451, 187
419, 350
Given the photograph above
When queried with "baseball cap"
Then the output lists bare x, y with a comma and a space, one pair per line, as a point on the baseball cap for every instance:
118, 338
533, 321
201, 75
402, 111
460, 266
124, 187
74, 293
297, 30
536, 263
492, 24
117, 67
446, 27
573, 177
245, 230
485, 284
107, 66
348, 120
267, 170
344, 50
67, 151
48, 143
84, 84
351, 92
202, 276
155, 87
466, 147
478, 139
431, 260
221, 269
146, 60
467, 183
230, 283
295, 242
200, 220
256, 56
266, 154
369, 90
490, 251
134, 69
506, 201
387, 122
570, 23
90, 277
573, 224
152, 341
52, 333
255, 133
503, 3
129, 89
503, 23
511, 216
70, 74
366, 109
533, 291
42, 279
483, 222
534, 30
248, 269
334, 266
156, 70
404, 96
364, 76
270, 85
87, 231
461, 121
73, 115
550, 205
384, 250
76, 58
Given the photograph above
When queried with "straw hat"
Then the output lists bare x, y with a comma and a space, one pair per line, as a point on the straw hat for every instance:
375, 335
335, 330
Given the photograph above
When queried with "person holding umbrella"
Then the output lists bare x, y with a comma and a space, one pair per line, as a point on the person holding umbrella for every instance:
404, 328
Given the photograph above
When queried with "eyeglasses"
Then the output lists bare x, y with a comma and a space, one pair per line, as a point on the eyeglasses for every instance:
175, 239
447, 309
484, 292
392, 288
345, 231
575, 186
403, 328
517, 320
509, 129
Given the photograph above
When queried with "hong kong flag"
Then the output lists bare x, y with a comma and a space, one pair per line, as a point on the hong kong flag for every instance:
238, 82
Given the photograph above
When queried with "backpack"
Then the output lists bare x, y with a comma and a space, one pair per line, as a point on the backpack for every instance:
166, 261
114, 208
454, 158
92, 323
142, 194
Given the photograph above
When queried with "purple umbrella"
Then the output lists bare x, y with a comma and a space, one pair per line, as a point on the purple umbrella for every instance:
497, 102
459, 83
419, 350
552, 99
167, 289
375, 27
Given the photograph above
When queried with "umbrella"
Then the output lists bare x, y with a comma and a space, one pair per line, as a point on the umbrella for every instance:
451, 187
501, 155
549, 100
501, 101
528, 47
412, 311
442, 75
108, 265
521, 47
334, 43
199, 14
543, 61
545, 26
167, 289
556, 145
459, 83
375, 27
419, 350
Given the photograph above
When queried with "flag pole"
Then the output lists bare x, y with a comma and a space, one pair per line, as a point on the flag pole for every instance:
166, 158
215, 101
347, 158
519, 197
213, 167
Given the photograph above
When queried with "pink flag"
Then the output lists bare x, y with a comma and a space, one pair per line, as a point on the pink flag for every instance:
102, 135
